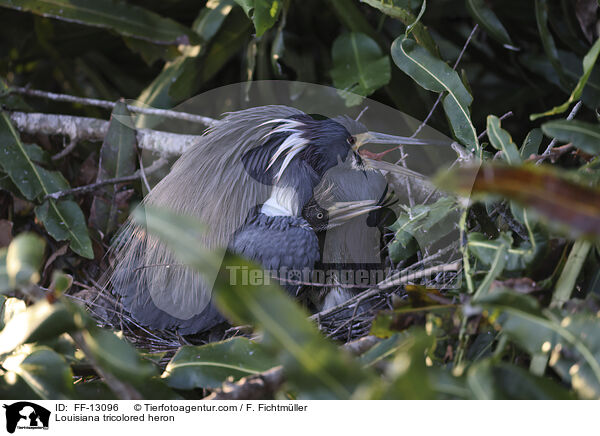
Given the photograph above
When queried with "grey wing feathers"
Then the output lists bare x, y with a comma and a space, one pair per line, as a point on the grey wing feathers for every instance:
155, 289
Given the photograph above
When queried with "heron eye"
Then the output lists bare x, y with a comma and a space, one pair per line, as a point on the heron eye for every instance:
320, 216
350, 140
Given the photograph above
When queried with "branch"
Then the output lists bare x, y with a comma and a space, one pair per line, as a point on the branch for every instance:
256, 387
397, 279
156, 165
165, 113
93, 129
569, 118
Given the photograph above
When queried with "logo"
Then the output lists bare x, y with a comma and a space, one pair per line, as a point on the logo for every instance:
26, 415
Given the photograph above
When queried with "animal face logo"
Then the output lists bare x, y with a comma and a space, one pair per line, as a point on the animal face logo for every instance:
26, 415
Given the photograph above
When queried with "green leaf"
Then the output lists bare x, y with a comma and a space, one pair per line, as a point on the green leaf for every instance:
24, 259
44, 371
207, 366
211, 18
400, 10
541, 15
486, 18
496, 264
532, 142
312, 365
64, 220
118, 158
573, 342
589, 61
585, 136
184, 76
116, 15
435, 75
422, 225
489, 380
16, 162
116, 356
359, 66
502, 141
517, 258
39, 322
4, 281
263, 13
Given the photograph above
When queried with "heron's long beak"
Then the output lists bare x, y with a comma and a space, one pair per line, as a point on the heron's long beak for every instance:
383, 138
341, 212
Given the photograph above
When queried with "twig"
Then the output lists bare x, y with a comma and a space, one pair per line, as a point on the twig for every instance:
93, 129
502, 118
165, 113
156, 165
395, 280
143, 173
569, 118
256, 387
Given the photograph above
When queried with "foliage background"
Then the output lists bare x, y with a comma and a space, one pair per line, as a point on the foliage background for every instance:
525, 323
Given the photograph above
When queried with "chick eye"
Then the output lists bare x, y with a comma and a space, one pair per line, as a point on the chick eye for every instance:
320, 215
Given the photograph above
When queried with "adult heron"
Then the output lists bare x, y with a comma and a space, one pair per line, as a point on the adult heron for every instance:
249, 179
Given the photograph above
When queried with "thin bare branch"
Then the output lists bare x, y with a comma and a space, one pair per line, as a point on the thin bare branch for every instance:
92, 129
165, 113
156, 165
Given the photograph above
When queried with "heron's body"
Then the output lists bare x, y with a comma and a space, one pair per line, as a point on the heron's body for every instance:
274, 158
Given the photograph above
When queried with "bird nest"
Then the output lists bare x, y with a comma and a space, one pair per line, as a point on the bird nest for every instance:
344, 323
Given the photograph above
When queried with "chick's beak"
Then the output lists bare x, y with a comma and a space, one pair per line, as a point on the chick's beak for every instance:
343, 211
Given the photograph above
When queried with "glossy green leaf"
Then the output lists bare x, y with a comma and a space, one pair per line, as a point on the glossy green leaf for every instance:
118, 158
116, 15
486, 18
502, 141
39, 322
400, 10
24, 259
589, 61
532, 142
435, 75
64, 220
583, 135
44, 371
207, 366
359, 66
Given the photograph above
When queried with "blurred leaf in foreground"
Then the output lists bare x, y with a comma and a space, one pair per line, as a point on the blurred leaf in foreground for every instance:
208, 365
540, 188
